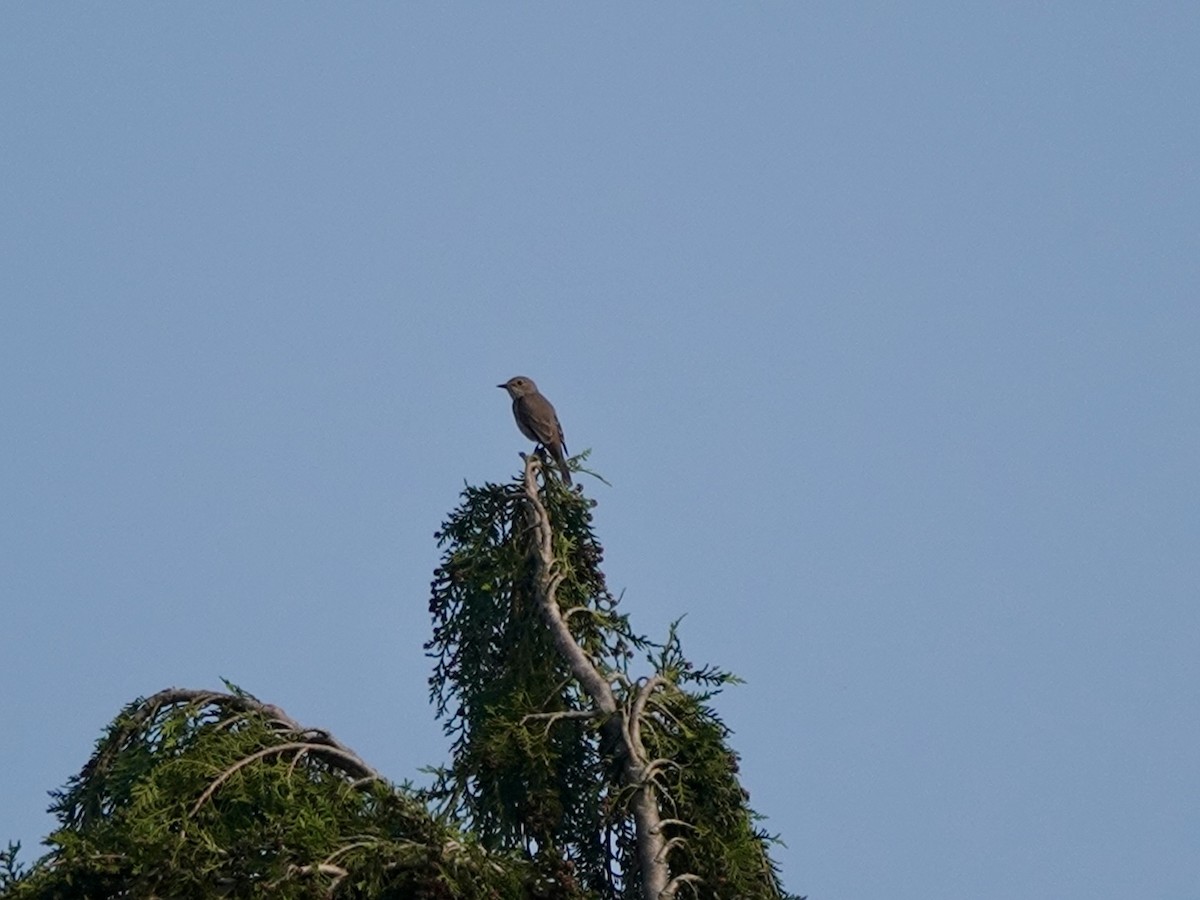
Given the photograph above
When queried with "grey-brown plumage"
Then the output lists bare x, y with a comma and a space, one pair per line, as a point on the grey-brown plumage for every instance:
537, 420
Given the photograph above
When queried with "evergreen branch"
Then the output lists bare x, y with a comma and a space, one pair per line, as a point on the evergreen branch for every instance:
354, 845
324, 751
647, 820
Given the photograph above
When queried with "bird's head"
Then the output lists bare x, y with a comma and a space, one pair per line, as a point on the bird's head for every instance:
519, 386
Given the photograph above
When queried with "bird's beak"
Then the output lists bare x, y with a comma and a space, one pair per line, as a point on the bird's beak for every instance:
502, 385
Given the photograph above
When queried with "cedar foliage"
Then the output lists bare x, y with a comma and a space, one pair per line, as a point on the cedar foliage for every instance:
195, 794
205, 795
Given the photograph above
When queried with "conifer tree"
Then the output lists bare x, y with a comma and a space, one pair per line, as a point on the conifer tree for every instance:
626, 783
586, 760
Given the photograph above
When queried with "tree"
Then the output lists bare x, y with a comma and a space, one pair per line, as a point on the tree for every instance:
570, 777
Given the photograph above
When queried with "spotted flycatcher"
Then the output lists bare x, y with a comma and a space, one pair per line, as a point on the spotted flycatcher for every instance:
537, 420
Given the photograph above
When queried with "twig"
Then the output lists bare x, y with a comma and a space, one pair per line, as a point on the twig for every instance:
672, 844
337, 872
678, 822
273, 715
346, 849
300, 754
553, 717
585, 610
668, 892
320, 868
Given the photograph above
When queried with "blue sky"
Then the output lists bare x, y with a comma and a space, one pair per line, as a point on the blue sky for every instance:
882, 320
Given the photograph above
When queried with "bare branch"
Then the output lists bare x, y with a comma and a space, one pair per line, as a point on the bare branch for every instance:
678, 822
672, 844
346, 849
638, 708
346, 759
581, 610
337, 873
319, 869
551, 718
669, 891
620, 678
300, 754
326, 752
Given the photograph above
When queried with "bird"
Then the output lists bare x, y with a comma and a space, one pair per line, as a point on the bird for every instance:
537, 420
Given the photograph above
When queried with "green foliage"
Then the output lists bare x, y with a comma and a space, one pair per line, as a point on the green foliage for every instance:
519, 783
194, 795
718, 840
529, 772
10, 869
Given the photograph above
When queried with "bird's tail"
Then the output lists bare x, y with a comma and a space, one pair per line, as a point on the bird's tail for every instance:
561, 459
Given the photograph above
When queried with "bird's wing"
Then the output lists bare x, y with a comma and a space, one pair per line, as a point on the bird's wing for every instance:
542, 420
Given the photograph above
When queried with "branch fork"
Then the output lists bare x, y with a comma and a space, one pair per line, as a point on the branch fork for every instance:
638, 772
